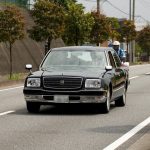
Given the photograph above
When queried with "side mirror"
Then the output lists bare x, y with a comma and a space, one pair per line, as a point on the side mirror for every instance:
29, 67
108, 68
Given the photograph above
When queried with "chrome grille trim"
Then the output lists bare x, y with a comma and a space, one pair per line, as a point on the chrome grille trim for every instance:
62, 82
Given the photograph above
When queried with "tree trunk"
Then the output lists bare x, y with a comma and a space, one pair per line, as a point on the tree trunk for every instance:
76, 38
148, 54
10, 57
127, 47
48, 45
127, 57
49, 42
97, 44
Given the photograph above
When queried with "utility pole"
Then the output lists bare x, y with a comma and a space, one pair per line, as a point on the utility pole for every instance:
133, 13
130, 44
98, 6
133, 45
130, 9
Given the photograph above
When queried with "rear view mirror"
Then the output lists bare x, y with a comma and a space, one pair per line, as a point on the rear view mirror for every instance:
108, 68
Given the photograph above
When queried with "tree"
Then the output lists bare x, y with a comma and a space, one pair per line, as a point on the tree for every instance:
49, 21
143, 39
127, 31
64, 3
11, 28
88, 23
138, 50
99, 31
113, 28
77, 25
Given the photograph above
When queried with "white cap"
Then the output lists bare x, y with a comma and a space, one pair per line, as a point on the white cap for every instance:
116, 43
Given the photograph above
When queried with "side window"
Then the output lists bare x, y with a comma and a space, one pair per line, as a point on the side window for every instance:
117, 59
112, 63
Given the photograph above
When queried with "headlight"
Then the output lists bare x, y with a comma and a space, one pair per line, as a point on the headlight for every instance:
92, 83
33, 82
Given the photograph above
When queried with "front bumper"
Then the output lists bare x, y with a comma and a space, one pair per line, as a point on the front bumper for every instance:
82, 96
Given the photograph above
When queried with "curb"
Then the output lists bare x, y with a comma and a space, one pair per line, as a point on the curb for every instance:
4, 84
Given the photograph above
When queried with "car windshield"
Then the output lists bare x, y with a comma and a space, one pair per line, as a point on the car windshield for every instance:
75, 59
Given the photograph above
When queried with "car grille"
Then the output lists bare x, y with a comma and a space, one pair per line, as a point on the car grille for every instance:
61, 83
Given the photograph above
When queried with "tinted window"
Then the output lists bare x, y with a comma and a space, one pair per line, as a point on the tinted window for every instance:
112, 63
117, 59
75, 58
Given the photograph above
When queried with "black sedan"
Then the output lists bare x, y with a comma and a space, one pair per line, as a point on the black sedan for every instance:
77, 74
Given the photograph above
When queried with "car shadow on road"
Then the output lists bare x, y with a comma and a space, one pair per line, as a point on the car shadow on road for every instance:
66, 109
117, 129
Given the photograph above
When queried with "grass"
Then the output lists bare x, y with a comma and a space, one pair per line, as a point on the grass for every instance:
17, 76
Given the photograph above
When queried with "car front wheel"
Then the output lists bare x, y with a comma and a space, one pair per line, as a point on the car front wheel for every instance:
33, 107
122, 100
106, 105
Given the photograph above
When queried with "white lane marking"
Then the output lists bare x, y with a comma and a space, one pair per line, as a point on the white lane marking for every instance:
147, 73
128, 135
133, 77
11, 88
7, 112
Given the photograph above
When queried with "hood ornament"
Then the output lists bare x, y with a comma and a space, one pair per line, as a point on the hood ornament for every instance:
62, 82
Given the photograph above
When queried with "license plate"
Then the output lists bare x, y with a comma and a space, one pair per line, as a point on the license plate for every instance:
61, 99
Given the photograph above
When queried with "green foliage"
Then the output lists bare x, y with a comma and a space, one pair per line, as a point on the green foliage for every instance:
63, 3
113, 28
138, 50
77, 25
15, 76
99, 32
11, 25
127, 31
88, 23
11, 28
49, 21
143, 39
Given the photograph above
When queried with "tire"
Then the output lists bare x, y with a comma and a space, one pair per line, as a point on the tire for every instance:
33, 107
122, 100
106, 106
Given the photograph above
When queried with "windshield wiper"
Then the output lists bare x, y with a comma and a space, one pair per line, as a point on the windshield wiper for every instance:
43, 69
47, 69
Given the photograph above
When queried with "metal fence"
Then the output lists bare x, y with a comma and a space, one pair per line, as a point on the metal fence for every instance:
21, 3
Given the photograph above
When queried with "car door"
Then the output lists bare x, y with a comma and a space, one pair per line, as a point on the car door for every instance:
119, 75
114, 77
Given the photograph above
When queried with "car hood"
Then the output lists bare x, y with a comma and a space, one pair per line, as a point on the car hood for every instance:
88, 73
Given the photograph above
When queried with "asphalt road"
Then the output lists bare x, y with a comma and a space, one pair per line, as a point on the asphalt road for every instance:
77, 127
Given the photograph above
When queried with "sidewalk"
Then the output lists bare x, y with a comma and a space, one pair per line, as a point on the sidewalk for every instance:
5, 82
142, 144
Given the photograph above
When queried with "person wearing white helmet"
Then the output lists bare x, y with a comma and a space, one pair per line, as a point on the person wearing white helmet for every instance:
121, 53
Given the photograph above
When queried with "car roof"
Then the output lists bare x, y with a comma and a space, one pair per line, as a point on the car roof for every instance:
84, 48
